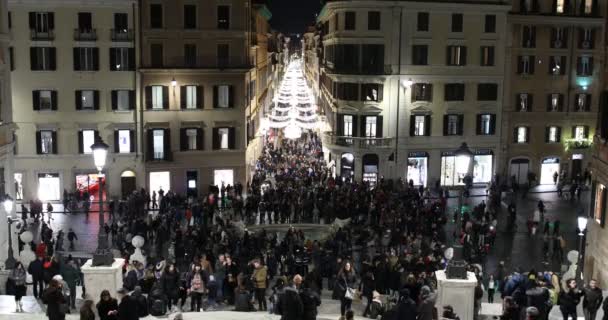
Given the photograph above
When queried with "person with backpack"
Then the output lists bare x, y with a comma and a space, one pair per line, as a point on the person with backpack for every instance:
142, 302
310, 301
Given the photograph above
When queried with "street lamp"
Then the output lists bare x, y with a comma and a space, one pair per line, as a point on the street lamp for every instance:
103, 256
10, 262
582, 227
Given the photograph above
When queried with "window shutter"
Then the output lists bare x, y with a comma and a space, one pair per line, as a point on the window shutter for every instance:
427, 125
96, 59
527, 134
547, 132
116, 147
379, 128
340, 125
78, 99
52, 59
361, 123
150, 145
515, 135
215, 97
38, 142
520, 65
232, 138
132, 141
586, 132
231, 102
463, 55
478, 124
560, 102
131, 54
36, 100
54, 137
492, 124
559, 134
412, 125
532, 64
579, 66
549, 102
355, 126
199, 139
132, 100
96, 100
32, 16
165, 97
216, 139
448, 60
460, 124
76, 52
530, 102
148, 98
113, 59
445, 124
33, 60
53, 100
183, 96
167, 144
183, 139
51, 16
573, 132
200, 97
114, 95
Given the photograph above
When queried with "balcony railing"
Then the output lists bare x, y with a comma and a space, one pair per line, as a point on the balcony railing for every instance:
85, 35
200, 62
121, 35
43, 36
357, 142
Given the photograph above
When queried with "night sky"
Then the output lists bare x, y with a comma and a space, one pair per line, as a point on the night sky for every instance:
293, 16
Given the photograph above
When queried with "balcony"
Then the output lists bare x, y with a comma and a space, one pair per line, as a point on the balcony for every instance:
363, 143
42, 35
85, 35
120, 35
199, 62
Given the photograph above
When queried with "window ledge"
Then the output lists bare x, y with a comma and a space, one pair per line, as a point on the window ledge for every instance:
122, 111
86, 71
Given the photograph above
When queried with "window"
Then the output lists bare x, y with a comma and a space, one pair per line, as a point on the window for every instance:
420, 54
44, 100
124, 141
521, 135
584, 66
223, 54
87, 100
157, 97
347, 91
189, 16
583, 102
87, 138
487, 56
554, 102
586, 38
560, 6
373, 20
372, 58
85, 22
11, 56
524, 102
42, 58
528, 37
456, 22
487, 92
123, 100
191, 135
86, 59
156, 16
553, 134
490, 24
371, 127
190, 55
223, 17
422, 23
452, 127
525, 65
422, 92
121, 22
456, 56
486, 124
349, 20
557, 65
46, 142
158, 144
223, 96
371, 92
156, 55
348, 126
10, 20
42, 22
223, 136
420, 125
559, 38
122, 59
454, 92
588, 7
580, 132
191, 97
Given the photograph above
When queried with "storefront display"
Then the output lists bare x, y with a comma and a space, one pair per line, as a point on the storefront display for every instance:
483, 166
417, 168
49, 187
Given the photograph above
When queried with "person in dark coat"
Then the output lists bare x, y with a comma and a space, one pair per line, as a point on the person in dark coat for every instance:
171, 281
592, 299
86, 311
406, 308
127, 308
71, 275
106, 305
54, 300
346, 279
18, 276
142, 302
290, 304
36, 269
310, 301
569, 298
427, 304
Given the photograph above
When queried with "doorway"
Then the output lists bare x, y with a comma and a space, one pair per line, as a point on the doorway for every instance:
347, 166
370, 169
577, 166
192, 183
160, 180
548, 168
127, 183
519, 169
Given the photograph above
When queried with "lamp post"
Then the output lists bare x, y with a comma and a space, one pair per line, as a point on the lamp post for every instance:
10, 262
464, 159
582, 228
103, 256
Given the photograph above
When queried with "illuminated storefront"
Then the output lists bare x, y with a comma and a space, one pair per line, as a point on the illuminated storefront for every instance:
548, 168
453, 169
347, 166
483, 166
417, 168
370, 169
160, 180
49, 186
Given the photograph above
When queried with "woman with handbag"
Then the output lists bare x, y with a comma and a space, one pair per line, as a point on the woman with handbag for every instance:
346, 282
18, 276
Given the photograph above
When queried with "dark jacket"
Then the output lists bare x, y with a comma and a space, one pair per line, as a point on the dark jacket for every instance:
70, 274
290, 304
54, 300
592, 298
170, 282
310, 302
103, 307
142, 304
36, 269
539, 297
406, 309
426, 307
569, 300
127, 309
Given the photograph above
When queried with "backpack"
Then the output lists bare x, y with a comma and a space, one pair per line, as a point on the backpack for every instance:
158, 308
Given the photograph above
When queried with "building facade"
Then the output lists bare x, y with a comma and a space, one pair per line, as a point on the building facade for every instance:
403, 85
199, 78
551, 104
74, 79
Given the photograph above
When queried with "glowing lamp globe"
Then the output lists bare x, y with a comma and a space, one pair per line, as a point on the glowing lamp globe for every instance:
8, 204
293, 132
100, 153
582, 225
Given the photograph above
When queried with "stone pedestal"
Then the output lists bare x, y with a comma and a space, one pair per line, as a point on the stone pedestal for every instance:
3, 277
97, 279
460, 294
27, 255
